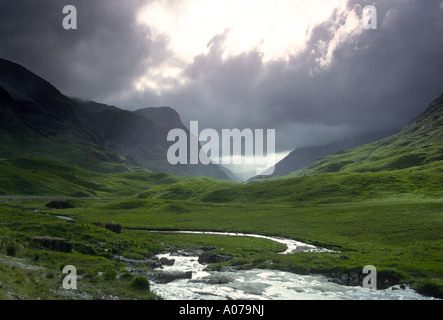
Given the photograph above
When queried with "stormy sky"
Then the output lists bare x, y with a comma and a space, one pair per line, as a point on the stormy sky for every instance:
306, 68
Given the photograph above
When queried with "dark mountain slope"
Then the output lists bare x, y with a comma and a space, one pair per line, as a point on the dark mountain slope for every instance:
37, 120
142, 135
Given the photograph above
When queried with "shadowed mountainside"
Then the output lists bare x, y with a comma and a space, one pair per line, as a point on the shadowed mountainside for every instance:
37, 120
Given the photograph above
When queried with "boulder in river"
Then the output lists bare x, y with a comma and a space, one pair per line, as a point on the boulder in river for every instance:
167, 262
152, 262
208, 258
168, 276
217, 278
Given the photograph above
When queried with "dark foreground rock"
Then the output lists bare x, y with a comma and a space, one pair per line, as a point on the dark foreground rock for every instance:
166, 277
209, 258
189, 252
60, 245
217, 278
114, 227
152, 262
355, 277
167, 262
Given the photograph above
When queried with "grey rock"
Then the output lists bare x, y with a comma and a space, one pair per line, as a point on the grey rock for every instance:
166, 277
167, 262
60, 245
152, 262
217, 278
301, 249
227, 269
208, 258
188, 253
114, 227
207, 248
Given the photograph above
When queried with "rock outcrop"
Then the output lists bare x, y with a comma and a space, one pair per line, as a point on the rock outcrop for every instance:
60, 245
209, 258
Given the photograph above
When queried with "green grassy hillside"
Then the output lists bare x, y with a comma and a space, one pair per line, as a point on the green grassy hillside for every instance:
420, 143
417, 182
40, 177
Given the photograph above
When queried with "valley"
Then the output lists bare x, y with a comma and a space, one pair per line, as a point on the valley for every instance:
82, 183
400, 233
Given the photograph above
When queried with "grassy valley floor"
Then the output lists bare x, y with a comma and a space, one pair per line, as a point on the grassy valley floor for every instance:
391, 220
401, 238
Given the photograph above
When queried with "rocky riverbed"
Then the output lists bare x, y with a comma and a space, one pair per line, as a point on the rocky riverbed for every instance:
187, 279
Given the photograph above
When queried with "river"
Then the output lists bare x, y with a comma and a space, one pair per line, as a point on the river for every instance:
258, 284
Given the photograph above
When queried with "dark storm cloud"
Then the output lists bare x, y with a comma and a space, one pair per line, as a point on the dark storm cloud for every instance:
376, 83
97, 60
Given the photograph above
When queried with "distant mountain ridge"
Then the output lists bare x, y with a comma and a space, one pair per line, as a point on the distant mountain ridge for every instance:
37, 120
304, 156
419, 143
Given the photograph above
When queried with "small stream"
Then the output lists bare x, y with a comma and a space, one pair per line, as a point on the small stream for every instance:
258, 284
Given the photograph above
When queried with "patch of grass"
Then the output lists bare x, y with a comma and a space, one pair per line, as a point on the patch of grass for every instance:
430, 288
141, 283
26, 271
11, 249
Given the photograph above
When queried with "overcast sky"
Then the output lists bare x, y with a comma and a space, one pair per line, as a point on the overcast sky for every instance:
306, 68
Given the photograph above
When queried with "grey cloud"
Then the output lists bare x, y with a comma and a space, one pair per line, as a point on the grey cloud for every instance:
377, 83
102, 57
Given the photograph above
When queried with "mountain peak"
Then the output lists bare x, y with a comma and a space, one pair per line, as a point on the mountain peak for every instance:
162, 116
24, 85
434, 110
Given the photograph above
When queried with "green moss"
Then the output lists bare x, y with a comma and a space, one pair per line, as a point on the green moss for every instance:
141, 283
430, 288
